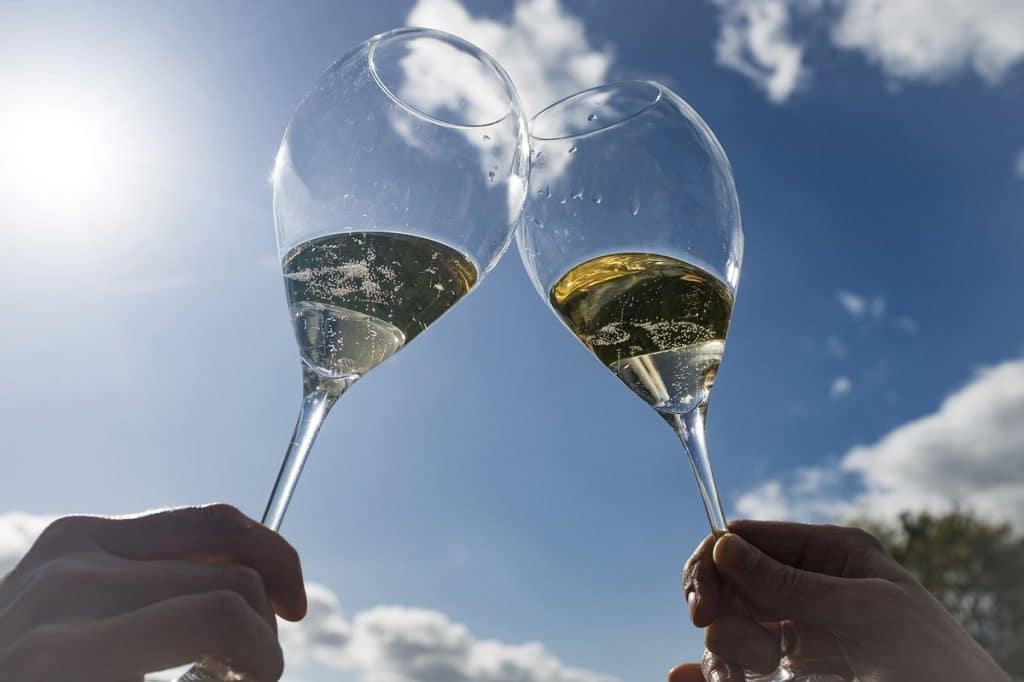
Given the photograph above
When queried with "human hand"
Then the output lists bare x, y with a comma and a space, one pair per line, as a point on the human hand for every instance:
101, 599
845, 606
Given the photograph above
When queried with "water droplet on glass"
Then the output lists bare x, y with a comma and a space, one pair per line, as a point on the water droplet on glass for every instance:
592, 117
572, 149
540, 154
578, 195
547, 192
487, 138
598, 199
490, 176
636, 206
563, 201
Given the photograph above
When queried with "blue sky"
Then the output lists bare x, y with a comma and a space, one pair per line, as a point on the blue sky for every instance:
491, 474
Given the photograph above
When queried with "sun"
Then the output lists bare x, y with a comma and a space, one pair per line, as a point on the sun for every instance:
62, 154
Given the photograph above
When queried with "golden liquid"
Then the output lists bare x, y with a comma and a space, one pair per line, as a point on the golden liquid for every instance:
657, 323
356, 298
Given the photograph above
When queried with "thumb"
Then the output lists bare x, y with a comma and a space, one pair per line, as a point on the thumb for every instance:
778, 591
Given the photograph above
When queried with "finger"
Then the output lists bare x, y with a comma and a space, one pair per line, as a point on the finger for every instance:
73, 589
164, 635
840, 551
717, 669
743, 642
778, 591
687, 672
701, 584
212, 533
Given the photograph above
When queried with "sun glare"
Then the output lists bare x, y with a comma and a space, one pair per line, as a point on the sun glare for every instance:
61, 155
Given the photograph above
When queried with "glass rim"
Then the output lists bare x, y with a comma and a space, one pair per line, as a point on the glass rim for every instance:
613, 86
460, 44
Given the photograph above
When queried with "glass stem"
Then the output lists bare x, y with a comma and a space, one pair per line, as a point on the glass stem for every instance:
690, 429
318, 397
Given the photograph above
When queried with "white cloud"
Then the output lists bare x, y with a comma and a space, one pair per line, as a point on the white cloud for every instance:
17, 533
755, 40
908, 39
840, 387
861, 306
811, 494
383, 644
907, 324
852, 303
401, 644
544, 48
968, 451
322, 635
935, 39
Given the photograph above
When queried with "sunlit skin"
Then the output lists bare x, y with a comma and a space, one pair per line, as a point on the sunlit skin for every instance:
101, 600
846, 605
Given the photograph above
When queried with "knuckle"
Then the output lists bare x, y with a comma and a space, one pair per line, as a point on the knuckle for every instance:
859, 537
788, 581
65, 529
226, 605
698, 566
222, 514
690, 574
71, 571
249, 582
241, 637
55, 576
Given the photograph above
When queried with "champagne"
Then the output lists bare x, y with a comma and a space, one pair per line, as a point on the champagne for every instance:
657, 323
356, 298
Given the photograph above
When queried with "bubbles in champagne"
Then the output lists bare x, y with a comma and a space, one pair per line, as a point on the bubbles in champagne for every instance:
356, 298
658, 323
340, 343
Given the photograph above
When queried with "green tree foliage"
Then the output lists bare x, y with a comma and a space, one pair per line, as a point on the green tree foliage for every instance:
974, 567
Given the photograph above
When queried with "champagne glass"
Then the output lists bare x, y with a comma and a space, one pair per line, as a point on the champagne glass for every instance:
632, 234
397, 187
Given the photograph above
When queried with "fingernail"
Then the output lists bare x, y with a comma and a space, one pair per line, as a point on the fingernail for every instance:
691, 600
735, 552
